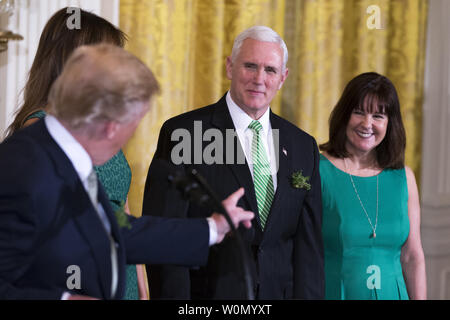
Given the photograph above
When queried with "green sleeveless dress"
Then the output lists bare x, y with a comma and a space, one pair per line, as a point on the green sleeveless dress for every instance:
358, 266
115, 176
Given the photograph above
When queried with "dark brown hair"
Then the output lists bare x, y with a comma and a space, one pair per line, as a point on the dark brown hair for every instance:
376, 92
56, 44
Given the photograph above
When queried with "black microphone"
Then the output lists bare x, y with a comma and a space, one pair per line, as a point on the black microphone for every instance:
194, 188
186, 181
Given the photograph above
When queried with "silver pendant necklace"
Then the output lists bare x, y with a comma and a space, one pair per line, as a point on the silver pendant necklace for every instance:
374, 228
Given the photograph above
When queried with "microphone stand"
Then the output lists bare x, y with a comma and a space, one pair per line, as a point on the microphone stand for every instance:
194, 189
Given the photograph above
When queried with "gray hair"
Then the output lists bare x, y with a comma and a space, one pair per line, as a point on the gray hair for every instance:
260, 33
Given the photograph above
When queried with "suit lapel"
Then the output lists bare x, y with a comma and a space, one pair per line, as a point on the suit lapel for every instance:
283, 183
95, 235
115, 232
221, 119
104, 201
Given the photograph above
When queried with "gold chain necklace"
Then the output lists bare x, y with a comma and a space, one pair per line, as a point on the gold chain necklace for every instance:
374, 229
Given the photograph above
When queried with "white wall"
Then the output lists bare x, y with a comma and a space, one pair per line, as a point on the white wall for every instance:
435, 201
29, 20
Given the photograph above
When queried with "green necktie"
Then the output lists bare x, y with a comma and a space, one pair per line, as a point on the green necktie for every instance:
262, 177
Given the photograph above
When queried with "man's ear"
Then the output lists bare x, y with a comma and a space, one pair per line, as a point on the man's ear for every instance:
283, 78
229, 68
110, 129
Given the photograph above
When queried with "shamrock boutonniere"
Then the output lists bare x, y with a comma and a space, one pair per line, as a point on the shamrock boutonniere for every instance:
122, 217
299, 181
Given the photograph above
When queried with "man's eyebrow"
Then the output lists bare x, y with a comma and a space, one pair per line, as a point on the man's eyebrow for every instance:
271, 67
255, 64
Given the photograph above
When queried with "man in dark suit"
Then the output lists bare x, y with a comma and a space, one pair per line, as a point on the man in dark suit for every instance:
276, 163
59, 238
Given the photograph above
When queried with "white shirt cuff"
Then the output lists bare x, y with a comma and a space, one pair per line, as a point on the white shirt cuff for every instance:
212, 231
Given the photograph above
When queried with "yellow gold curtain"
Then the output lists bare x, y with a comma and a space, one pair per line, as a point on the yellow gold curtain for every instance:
329, 43
186, 42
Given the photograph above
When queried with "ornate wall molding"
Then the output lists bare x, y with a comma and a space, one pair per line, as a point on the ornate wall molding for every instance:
445, 289
436, 109
435, 191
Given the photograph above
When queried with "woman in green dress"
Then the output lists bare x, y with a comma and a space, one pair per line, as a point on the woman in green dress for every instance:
56, 44
371, 211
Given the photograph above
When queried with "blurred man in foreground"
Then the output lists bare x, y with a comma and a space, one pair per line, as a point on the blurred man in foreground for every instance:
59, 238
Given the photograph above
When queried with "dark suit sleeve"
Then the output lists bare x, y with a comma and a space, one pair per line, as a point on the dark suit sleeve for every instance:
165, 281
19, 227
166, 241
308, 251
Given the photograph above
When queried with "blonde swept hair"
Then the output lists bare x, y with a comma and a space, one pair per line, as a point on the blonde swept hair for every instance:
99, 83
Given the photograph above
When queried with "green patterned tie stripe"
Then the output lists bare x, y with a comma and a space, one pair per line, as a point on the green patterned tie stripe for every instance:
262, 177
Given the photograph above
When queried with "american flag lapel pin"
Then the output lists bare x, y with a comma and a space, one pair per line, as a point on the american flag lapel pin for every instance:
285, 152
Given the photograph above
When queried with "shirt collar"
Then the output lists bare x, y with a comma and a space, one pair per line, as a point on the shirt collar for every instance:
79, 157
241, 120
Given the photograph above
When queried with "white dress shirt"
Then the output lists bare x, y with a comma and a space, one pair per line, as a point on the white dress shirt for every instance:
241, 121
79, 158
